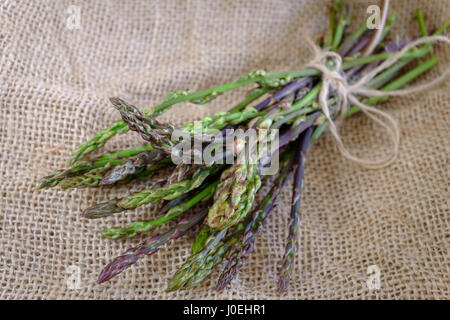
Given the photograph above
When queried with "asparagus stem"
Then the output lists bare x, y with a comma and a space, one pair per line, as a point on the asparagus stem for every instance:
344, 20
442, 28
156, 133
351, 40
252, 96
199, 265
421, 22
294, 132
291, 247
409, 55
331, 26
287, 90
94, 177
389, 24
385, 76
305, 101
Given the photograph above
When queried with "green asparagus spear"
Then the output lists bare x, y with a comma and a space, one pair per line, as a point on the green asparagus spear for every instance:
144, 226
149, 195
105, 161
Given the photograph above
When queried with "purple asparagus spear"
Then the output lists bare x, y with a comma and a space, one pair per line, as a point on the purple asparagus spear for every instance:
149, 247
291, 247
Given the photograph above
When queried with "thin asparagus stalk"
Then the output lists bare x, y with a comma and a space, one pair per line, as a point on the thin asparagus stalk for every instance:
144, 226
442, 28
345, 18
331, 26
149, 247
361, 47
397, 83
389, 24
297, 129
284, 92
197, 263
385, 76
252, 96
221, 120
351, 40
291, 248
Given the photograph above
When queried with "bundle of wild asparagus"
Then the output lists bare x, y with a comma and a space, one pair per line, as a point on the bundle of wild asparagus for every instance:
230, 226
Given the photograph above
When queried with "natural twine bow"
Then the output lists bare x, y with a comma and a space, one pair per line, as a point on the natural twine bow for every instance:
347, 93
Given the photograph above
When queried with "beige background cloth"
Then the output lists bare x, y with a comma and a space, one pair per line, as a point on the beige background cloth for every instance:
54, 86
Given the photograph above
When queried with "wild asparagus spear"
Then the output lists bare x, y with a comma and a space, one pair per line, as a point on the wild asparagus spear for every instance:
149, 247
158, 134
144, 226
291, 248
149, 195
105, 161
344, 20
94, 177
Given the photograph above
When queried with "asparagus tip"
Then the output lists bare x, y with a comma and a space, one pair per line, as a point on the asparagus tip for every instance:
115, 267
101, 210
116, 101
283, 283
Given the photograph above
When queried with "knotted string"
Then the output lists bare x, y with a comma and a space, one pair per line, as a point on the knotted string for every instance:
334, 79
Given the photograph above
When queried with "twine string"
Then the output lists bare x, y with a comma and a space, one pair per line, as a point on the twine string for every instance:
333, 79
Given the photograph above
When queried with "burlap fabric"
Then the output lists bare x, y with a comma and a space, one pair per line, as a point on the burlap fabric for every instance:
55, 82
